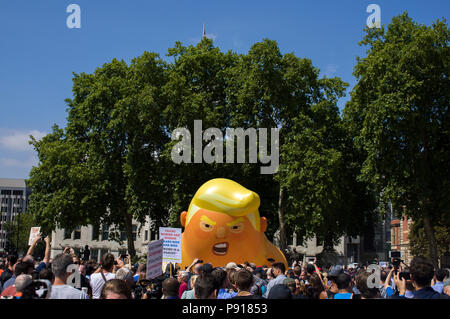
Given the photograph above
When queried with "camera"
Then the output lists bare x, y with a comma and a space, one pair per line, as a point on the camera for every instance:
396, 263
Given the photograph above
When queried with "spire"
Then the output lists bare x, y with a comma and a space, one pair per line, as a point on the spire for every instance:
204, 32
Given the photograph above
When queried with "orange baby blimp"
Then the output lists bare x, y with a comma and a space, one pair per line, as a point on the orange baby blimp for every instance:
223, 225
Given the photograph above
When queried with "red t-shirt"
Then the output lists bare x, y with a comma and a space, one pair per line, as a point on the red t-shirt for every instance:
183, 288
10, 291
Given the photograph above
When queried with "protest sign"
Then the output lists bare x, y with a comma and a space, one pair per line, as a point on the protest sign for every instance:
34, 232
154, 259
172, 244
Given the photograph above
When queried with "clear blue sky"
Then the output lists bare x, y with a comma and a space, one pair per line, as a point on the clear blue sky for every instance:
38, 53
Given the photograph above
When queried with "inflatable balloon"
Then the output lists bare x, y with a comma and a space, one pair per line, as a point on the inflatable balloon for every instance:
223, 225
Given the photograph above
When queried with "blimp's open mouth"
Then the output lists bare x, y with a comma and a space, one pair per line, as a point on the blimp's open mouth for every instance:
220, 249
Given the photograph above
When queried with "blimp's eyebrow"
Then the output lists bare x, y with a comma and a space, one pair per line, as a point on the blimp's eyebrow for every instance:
206, 219
234, 222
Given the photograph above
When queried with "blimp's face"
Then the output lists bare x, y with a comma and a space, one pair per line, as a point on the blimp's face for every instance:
219, 238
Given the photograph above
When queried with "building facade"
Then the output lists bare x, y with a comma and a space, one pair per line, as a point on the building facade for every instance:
373, 244
100, 240
14, 200
400, 238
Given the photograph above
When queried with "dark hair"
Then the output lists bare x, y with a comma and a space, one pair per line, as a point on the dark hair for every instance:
310, 269
343, 281
383, 275
422, 271
243, 279
46, 274
290, 273
441, 274
142, 268
116, 286
23, 268
280, 266
205, 285
361, 285
297, 271
108, 261
315, 287
220, 277
12, 259
170, 287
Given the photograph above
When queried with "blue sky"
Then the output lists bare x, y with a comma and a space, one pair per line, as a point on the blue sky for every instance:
38, 52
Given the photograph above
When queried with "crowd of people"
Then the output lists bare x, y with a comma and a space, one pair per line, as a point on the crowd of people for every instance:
72, 276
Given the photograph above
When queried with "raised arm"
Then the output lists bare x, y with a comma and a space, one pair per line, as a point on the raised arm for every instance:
317, 269
388, 279
192, 265
47, 250
33, 245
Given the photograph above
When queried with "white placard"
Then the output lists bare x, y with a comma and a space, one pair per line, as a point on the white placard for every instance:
154, 259
172, 244
34, 232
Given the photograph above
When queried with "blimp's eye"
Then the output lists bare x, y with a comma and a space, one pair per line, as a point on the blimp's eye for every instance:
205, 226
237, 228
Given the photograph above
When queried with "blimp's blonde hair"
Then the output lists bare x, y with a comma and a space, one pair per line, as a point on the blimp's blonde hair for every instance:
226, 196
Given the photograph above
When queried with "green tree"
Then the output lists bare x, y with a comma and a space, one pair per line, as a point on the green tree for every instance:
399, 117
418, 241
105, 166
18, 231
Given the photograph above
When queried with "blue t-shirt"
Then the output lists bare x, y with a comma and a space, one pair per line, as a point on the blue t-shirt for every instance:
41, 266
223, 294
389, 291
11, 281
347, 295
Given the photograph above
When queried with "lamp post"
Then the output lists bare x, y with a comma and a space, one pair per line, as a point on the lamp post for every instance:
19, 210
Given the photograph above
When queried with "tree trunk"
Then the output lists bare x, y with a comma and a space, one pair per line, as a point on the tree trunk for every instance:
428, 227
129, 231
328, 243
281, 205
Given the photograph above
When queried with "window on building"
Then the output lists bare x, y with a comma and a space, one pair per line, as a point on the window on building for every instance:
67, 234
18, 193
152, 235
134, 230
146, 235
105, 232
103, 252
94, 254
123, 235
77, 233
6, 192
95, 232
319, 241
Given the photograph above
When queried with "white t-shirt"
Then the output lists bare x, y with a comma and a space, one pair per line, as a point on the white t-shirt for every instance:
67, 292
97, 283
